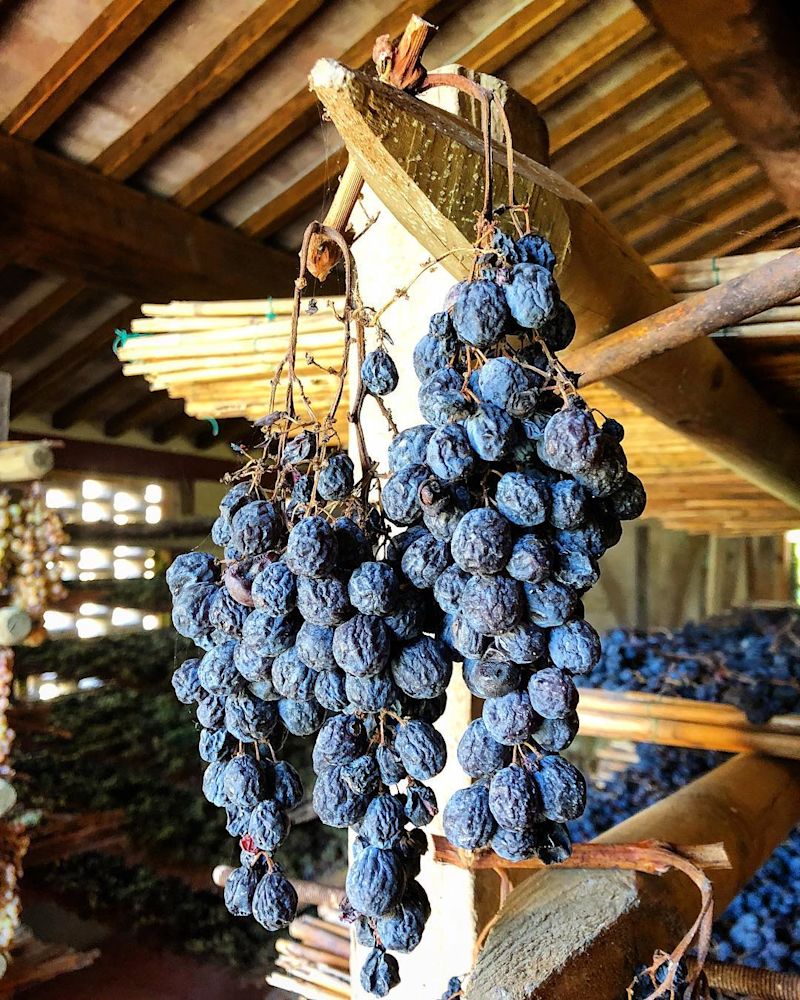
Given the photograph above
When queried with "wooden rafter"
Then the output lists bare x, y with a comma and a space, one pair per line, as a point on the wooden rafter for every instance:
745, 54
62, 295
115, 29
69, 219
247, 44
87, 402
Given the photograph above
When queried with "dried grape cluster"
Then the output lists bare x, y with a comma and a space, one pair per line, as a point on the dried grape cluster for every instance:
31, 536
307, 631
749, 658
510, 493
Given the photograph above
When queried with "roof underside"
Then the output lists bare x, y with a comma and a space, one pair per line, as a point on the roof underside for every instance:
205, 105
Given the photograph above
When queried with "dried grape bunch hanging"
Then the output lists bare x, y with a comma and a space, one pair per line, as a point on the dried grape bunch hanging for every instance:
510, 493
304, 629
31, 536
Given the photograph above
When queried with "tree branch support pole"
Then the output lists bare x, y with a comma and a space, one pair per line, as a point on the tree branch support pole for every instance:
706, 312
567, 934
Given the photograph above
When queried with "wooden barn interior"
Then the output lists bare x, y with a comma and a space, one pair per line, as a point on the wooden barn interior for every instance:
161, 162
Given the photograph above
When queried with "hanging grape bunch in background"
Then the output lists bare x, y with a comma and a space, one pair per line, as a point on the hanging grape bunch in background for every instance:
511, 493
31, 536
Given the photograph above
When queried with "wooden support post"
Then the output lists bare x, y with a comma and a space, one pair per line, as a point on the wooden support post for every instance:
568, 934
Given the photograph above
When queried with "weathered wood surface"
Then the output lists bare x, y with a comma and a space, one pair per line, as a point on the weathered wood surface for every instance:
63, 217
427, 168
681, 722
745, 55
568, 934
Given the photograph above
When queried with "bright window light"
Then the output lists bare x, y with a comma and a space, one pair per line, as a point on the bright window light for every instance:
148, 574
150, 563
85, 577
793, 536
153, 493
93, 559
89, 628
92, 489
128, 551
152, 514
89, 610
149, 622
122, 617
125, 502
89, 683
58, 499
91, 511
126, 569
49, 675
49, 691
58, 621
121, 519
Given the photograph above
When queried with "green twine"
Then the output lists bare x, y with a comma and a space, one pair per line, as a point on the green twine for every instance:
214, 426
271, 314
715, 270
121, 338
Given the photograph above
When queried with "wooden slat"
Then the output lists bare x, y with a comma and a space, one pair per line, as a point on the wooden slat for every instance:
136, 414
248, 44
73, 221
112, 32
62, 367
764, 221
646, 128
296, 112
744, 53
609, 93
646, 718
49, 306
512, 27
709, 220
584, 45
87, 402
683, 199
619, 190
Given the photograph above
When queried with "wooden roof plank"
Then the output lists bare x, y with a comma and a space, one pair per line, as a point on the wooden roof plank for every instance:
61, 296
247, 44
87, 402
745, 54
580, 48
71, 220
110, 34
296, 112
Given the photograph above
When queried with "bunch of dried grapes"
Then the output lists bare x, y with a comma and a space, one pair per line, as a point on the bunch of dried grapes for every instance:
510, 493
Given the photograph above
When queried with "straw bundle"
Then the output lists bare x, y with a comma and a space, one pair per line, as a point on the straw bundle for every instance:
220, 357
314, 961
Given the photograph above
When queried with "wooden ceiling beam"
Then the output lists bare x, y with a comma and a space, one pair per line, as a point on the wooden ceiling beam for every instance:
695, 189
657, 125
579, 49
111, 33
70, 220
62, 295
710, 220
62, 367
785, 236
136, 414
745, 54
109, 459
86, 403
248, 43
764, 220
512, 28
628, 80
627, 187
295, 116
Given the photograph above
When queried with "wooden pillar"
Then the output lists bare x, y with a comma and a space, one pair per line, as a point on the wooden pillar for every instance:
568, 934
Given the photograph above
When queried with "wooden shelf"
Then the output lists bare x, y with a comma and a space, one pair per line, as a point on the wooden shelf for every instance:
681, 722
